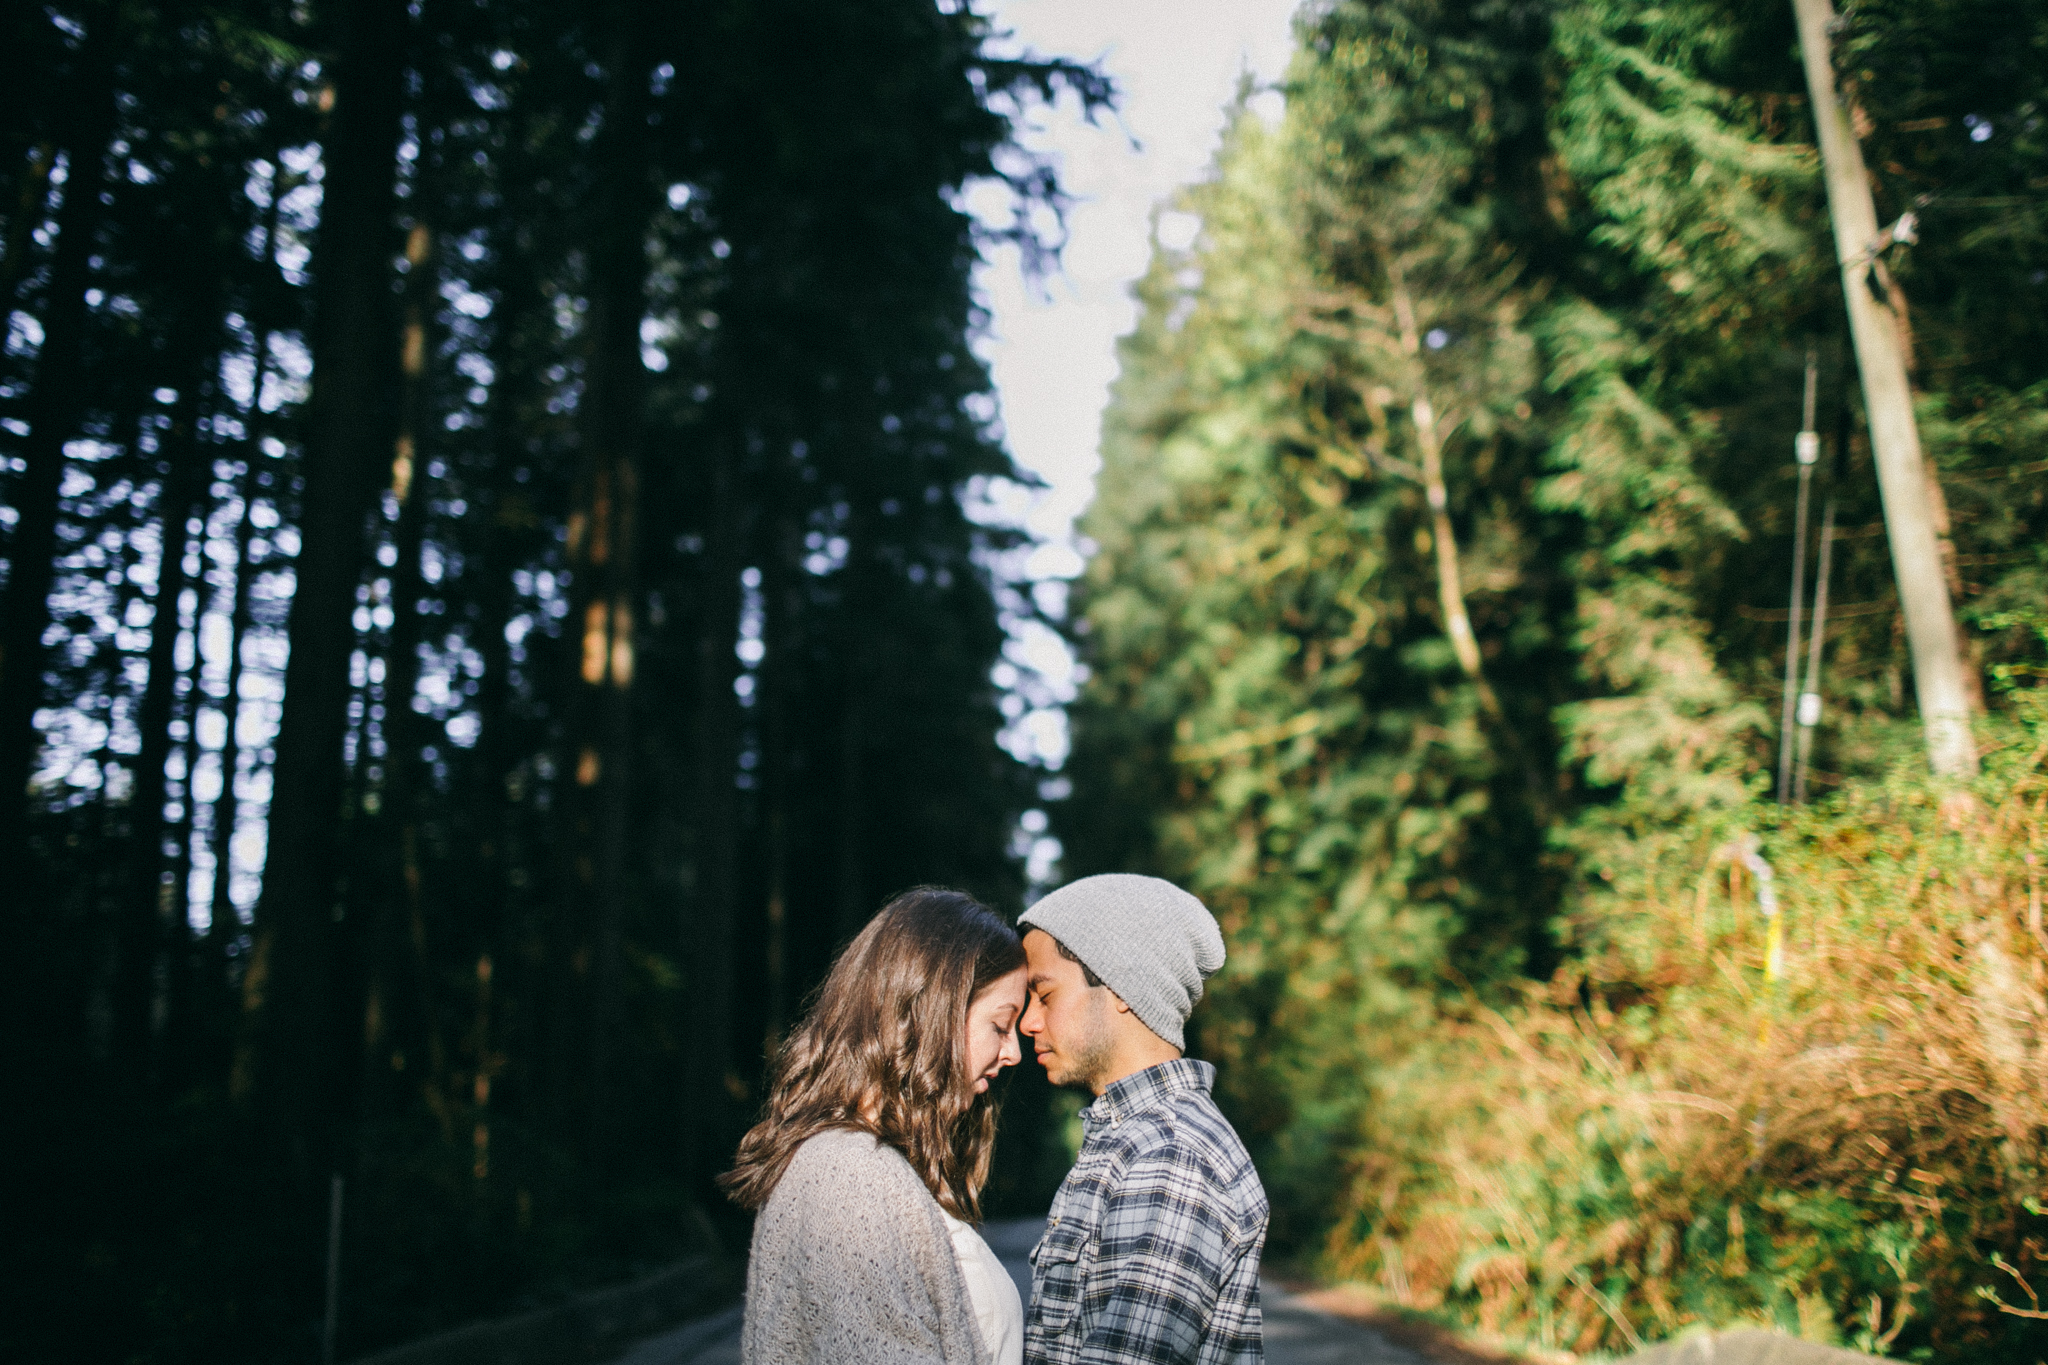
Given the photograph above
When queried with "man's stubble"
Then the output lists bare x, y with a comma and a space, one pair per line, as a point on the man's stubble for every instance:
1093, 1059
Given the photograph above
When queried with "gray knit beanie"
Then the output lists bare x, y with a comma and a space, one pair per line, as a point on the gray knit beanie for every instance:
1149, 941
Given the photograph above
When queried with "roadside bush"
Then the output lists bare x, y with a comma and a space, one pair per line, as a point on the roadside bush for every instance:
1830, 1119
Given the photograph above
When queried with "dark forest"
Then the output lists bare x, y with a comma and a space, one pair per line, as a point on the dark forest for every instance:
492, 602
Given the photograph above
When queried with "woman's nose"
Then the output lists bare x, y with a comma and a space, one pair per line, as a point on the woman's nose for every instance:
1013, 1051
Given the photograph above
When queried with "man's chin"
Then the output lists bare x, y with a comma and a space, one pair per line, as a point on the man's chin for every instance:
1066, 1077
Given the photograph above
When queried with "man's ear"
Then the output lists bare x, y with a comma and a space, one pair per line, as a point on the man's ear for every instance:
1121, 1007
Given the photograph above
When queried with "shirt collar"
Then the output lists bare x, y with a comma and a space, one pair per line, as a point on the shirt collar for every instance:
1142, 1090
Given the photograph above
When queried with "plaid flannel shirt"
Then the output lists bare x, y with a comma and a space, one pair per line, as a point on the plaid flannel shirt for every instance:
1151, 1253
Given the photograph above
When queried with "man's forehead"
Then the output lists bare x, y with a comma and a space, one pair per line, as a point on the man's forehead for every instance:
1050, 967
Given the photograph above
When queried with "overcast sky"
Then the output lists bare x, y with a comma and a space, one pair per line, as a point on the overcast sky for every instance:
1178, 63
1053, 347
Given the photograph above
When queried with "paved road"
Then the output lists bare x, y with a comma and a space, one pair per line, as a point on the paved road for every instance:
1295, 1333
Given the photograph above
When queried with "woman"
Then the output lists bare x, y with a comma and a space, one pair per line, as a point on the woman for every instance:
867, 1170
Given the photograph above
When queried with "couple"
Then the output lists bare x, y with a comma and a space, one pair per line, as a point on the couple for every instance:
867, 1171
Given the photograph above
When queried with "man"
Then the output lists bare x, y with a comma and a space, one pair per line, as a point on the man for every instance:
1151, 1253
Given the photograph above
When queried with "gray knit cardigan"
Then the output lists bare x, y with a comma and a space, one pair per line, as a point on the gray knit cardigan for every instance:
852, 1265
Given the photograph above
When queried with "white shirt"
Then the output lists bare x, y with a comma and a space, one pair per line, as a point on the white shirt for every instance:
998, 1312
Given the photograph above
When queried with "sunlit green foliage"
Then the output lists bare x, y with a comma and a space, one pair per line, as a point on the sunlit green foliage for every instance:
1271, 671
1592, 235
1829, 1125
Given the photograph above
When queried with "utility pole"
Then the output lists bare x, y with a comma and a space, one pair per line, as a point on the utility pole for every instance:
1805, 449
1931, 632
1809, 700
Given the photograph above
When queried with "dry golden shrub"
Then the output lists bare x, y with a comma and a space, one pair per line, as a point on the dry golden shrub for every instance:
1831, 1120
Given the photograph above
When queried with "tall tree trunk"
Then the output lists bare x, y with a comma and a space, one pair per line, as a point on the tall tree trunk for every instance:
141, 912
503, 505
171, 1000
851, 912
1951, 566
210, 990
55, 406
605, 553
782, 631
403, 734
1450, 582
290, 987
1431, 433
1429, 440
707, 931
394, 932
23, 221
1938, 671
852, 908
491, 820
224, 922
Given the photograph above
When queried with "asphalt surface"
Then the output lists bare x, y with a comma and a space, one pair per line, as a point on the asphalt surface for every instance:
1295, 1333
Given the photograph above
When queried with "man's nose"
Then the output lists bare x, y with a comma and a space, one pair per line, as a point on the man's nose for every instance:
1033, 1022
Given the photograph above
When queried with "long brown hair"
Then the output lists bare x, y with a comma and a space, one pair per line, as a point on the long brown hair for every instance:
883, 1050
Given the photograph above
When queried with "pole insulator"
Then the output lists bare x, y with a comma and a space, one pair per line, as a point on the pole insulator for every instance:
1809, 709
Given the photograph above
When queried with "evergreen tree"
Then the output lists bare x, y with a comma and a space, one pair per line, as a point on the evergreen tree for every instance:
512, 461
1509, 313
1320, 593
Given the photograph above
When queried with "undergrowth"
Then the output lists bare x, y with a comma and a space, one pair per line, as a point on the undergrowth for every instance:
1830, 1120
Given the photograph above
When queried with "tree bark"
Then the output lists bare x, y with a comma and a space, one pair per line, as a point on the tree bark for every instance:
853, 907
1951, 566
856, 608
1935, 642
408, 472
1450, 582
782, 632
292, 986
171, 995
28, 212
1429, 440
522, 998
55, 406
395, 934
605, 553
141, 912
224, 922
707, 931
